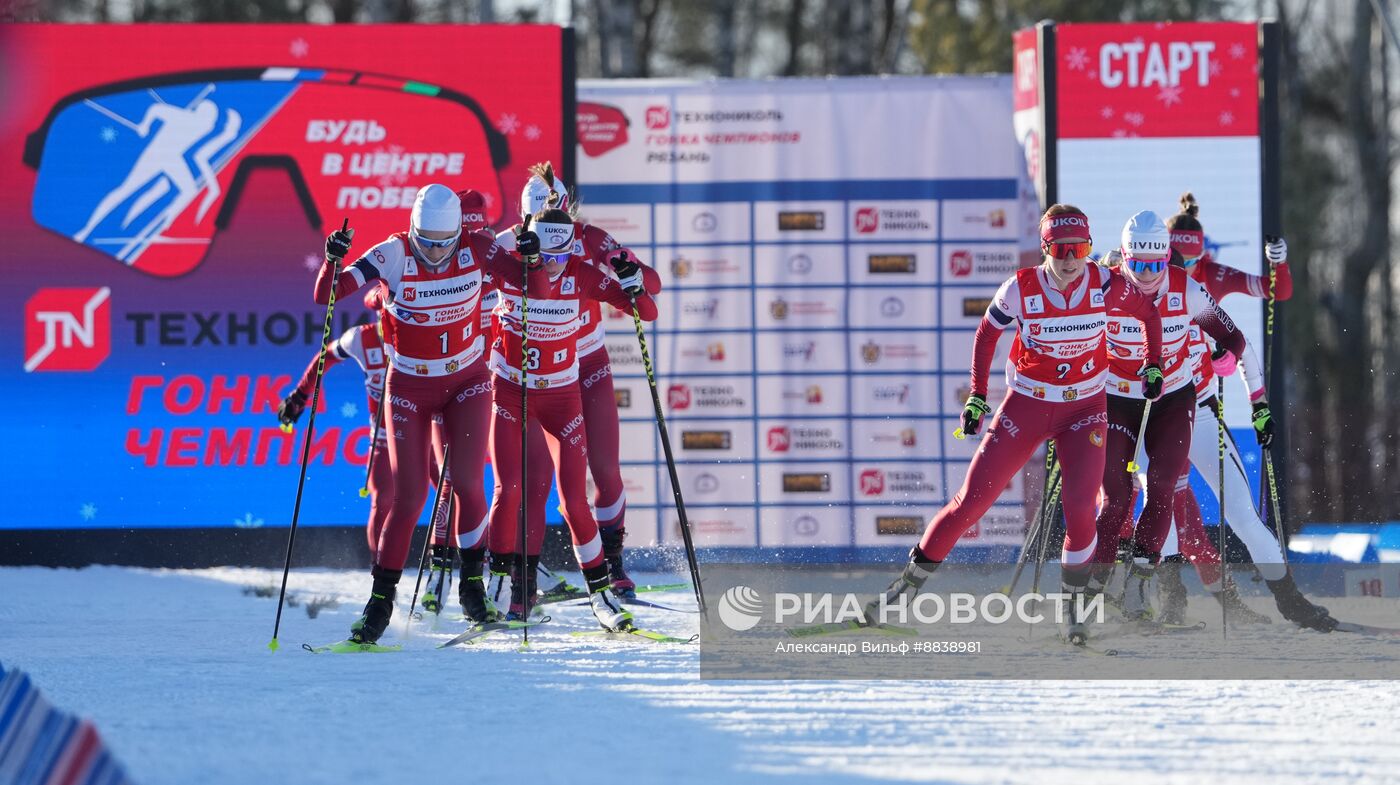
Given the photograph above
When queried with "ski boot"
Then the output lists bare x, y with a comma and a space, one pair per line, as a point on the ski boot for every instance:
604, 602
380, 608
555, 588
908, 584
439, 578
1236, 612
1074, 610
471, 590
523, 590
1171, 592
1299, 609
622, 585
1137, 591
499, 587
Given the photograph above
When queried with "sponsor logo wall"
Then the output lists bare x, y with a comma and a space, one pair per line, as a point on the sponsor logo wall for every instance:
168, 197
823, 278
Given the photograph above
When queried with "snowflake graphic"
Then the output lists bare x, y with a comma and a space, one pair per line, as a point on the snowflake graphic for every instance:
1106, 113
1216, 68
532, 132
1227, 118
248, 521
1236, 51
393, 179
1093, 74
88, 511
312, 262
300, 48
348, 409
508, 124
1234, 92
1169, 95
1120, 134
1134, 118
108, 134
1077, 58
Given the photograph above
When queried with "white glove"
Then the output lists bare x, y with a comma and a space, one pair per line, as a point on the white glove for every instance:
1277, 251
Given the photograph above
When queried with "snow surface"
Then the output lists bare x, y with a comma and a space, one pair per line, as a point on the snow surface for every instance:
173, 666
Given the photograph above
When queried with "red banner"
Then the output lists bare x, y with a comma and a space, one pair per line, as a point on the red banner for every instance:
1157, 80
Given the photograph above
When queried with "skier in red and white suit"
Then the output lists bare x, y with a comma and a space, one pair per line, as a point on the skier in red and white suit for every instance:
434, 274
558, 292
600, 417
364, 344
1166, 425
1265, 551
1055, 379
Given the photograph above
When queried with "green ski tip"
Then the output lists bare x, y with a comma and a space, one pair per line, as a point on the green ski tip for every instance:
273, 644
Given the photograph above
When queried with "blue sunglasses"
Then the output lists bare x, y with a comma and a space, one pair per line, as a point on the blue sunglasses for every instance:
1145, 265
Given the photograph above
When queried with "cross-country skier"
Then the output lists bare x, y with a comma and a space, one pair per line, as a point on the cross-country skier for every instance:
600, 418
434, 275
560, 285
1188, 239
1055, 390
1164, 424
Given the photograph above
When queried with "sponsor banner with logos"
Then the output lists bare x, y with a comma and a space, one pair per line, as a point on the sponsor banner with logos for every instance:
629, 224
633, 397
721, 485
711, 527
167, 198
809, 258
803, 526
804, 396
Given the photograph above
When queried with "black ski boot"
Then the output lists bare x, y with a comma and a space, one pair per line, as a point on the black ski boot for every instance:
1171, 592
1299, 609
622, 585
908, 584
1074, 610
1137, 591
471, 589
499, 585
1236, 612
380, 608
523, 589
439, 578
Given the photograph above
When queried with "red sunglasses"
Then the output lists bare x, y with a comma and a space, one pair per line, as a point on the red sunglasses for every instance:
1077, 250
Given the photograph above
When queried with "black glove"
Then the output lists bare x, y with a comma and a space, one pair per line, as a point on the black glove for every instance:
337, 245
628, 272
1263, 424
292, 407
1152, 382
973, 411
527, 243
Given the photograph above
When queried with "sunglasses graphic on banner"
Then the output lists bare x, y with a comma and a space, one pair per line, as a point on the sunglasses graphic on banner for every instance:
148, 170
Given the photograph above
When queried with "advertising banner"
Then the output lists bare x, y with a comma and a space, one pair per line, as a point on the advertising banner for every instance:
827, 247
169, 188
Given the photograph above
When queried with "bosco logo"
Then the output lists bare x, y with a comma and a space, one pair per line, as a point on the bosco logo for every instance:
779, 440
960, 264
658, 117
867, 220
67, 329
678, 397
872, 482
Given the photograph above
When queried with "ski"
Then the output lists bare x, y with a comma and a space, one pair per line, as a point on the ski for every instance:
640, 603
1365, 629
662, 587
635, 632
1082, 646
482, 630
351, 647
837, 628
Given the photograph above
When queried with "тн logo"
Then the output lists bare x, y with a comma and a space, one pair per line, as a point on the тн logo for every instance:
67, 329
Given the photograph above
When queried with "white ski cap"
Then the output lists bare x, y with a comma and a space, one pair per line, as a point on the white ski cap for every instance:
536, 193
437, 209
1146, 236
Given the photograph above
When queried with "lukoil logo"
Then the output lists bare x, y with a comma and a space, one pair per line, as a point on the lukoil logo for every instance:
67, 329
740, 608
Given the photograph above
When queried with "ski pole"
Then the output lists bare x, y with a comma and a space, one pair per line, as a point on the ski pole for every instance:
1273, 500
689, 540
428, 537
1052, 476
1220, 535
524, 533
1133, 466
1280, 530
374, 441
1046, 525
310, 429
